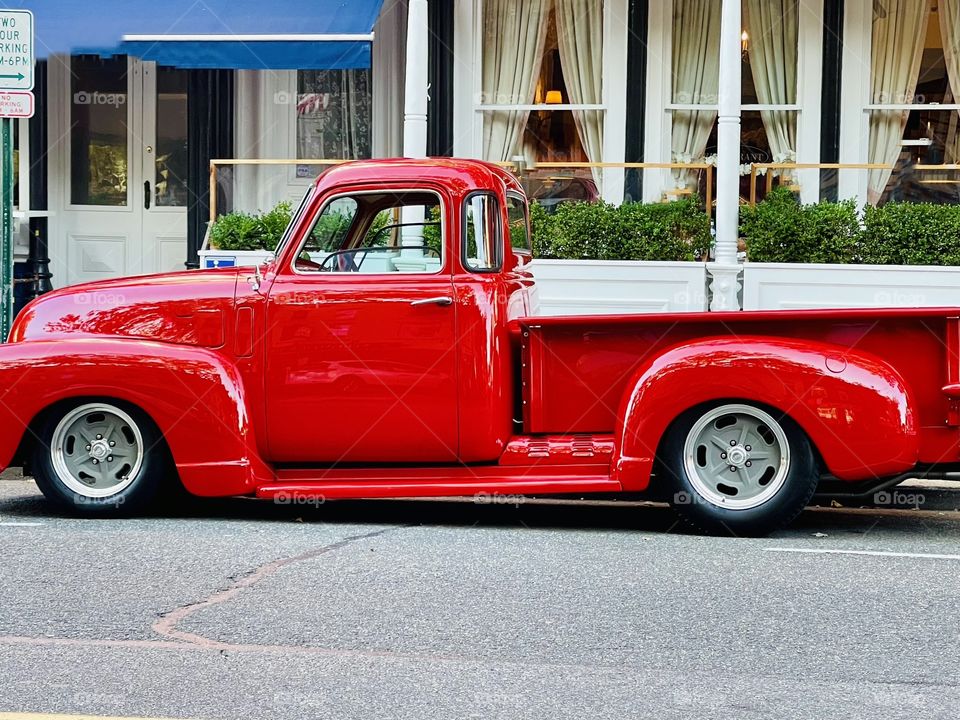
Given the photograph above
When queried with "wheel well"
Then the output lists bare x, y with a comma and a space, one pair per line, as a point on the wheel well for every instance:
32, 432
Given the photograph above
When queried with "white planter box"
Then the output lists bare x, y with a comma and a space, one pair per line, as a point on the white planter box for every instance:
233, 258
597, 287
787, 286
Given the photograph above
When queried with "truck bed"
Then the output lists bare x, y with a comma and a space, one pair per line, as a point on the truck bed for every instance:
576, 369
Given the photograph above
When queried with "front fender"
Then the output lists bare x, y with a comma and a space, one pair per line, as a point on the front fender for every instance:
855, 408
195, 396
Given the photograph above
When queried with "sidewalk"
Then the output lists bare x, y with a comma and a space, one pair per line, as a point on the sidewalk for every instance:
11, 474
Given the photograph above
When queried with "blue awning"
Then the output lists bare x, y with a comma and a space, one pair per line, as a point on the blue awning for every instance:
229, 34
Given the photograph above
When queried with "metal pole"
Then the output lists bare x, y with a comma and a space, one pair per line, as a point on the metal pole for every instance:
6, 219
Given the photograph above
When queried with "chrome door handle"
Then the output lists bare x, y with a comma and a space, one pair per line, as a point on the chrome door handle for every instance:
442, 300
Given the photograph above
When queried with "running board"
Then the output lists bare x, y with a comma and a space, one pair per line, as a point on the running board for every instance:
429, 482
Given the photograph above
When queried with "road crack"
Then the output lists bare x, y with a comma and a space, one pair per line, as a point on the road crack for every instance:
166, 625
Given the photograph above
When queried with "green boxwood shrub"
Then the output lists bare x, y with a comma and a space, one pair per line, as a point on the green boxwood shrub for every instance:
911, 234
780, 229
633, 231
242, 231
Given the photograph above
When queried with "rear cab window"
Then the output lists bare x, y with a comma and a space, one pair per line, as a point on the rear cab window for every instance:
518, 218
482, 245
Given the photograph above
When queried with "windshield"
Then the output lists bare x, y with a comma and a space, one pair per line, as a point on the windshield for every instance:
294, 221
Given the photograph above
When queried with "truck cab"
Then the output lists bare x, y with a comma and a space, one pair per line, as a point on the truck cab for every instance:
388, 310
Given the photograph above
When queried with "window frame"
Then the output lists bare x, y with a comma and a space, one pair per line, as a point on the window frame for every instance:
444, 244
498, 214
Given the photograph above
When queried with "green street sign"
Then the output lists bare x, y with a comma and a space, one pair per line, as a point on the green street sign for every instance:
16, 50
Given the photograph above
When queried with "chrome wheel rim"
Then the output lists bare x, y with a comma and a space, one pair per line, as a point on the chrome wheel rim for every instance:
736, 457
97, 450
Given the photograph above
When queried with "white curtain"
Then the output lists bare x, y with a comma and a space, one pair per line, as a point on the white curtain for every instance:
899, 33
580, 41
772, 27
950, 32
696, 75
514, 34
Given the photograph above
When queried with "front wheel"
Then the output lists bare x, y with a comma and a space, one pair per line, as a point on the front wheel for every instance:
738, 469
99, 458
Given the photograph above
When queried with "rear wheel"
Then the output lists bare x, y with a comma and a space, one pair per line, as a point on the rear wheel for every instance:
99, 458
738, 468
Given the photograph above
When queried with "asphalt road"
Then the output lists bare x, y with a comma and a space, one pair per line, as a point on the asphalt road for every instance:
240, 609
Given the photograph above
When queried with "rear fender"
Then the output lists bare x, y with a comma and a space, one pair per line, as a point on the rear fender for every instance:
194, 395
855, 408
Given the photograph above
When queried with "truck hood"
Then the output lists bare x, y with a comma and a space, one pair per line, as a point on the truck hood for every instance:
191, 307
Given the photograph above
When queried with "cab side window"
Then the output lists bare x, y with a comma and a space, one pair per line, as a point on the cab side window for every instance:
329, 232
376, 233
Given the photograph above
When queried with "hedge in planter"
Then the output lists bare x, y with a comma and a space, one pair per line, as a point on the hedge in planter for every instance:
780, 229
242, 231
633, 231
911, 234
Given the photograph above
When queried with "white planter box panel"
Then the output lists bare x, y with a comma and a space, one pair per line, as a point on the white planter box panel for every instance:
789, 286
599, 287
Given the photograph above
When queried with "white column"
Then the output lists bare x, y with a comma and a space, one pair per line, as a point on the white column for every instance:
416, 83
809, 94
415, 115
725, 270
854, 95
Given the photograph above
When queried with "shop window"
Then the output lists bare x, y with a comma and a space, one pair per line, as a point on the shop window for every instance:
769, 52
172, 159
98, 130
334, 114
915, 73
541, 96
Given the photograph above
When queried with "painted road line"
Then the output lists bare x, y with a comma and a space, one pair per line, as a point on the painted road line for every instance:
49, 716
19, 524
873, 553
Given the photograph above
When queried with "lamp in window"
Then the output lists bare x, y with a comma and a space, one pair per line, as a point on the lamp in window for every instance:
554, 97
744, 46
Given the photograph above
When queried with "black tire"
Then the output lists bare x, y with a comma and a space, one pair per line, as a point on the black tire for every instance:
58, 479
708, 504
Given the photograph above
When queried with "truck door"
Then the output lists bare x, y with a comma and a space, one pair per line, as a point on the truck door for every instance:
360, 338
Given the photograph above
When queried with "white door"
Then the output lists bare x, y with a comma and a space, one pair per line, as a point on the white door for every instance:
123, 197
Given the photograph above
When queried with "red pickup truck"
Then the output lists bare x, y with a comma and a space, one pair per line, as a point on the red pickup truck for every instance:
392, 349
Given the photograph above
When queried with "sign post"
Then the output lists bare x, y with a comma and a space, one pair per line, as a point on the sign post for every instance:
16, 100
6, 219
